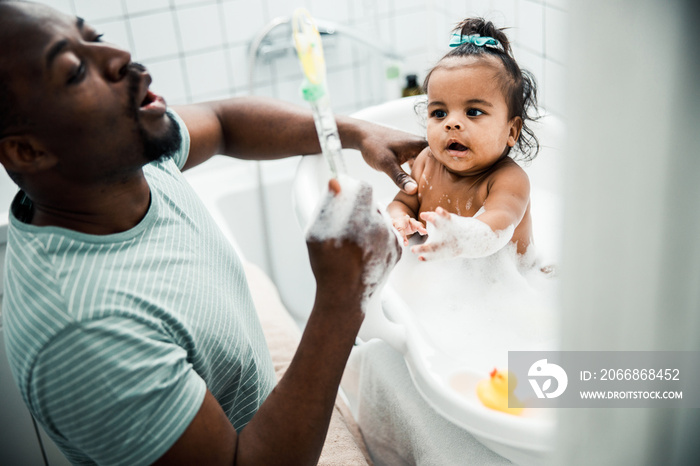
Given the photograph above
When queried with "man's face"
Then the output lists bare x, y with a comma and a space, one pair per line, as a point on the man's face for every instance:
84, 99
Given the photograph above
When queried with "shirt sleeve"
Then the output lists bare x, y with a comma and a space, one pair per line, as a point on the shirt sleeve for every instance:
180, 157
117, 389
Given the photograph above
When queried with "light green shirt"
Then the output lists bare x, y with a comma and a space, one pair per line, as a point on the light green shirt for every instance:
114, 339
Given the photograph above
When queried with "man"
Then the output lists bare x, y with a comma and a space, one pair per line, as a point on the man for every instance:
130, 328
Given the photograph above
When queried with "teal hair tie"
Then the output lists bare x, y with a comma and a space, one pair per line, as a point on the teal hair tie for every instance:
480, 41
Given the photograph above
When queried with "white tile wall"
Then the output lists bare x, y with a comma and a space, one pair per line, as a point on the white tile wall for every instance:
198, 27
238, 58
383, 7
277, 8
244, 19
140, 6
91, 10
330, 10
531, 25
561, 4
207, 72
412, 5
456, 8
555, 80
534, 63
504, 15
479, 8
190, 2
416, 41
64, 6
116, 32
387, 31
555, 39
339, 52
154, 35
168, 80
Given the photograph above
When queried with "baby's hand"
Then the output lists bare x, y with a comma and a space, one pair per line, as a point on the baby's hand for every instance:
407, 226
437, 246
450, 235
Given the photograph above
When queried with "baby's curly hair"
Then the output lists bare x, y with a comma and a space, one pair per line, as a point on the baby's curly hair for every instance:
518, 85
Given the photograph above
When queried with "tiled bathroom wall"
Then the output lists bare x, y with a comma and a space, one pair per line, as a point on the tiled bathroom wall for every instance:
198, 49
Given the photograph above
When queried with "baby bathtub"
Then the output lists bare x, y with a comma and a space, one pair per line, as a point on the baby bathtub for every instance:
447, 384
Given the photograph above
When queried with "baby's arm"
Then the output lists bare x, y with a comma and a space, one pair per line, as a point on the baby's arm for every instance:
507, 198
404, 207
504, 208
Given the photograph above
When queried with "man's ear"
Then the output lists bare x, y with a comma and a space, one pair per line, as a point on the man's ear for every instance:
516, 124
24, 154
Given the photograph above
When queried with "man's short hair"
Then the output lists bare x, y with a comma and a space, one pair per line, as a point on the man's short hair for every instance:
9, 115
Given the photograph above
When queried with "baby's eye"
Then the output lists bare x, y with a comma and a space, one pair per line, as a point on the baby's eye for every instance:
98, 38
439, 113
472, 112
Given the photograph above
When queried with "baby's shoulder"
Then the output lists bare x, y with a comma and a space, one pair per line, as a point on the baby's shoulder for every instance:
424, 156
427, 161
508, 167
420, 162
510, 172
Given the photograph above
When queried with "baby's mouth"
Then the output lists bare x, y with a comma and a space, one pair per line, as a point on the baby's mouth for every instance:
457, 149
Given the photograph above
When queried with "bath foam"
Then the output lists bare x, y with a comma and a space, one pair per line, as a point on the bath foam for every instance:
352, 215
464, 237
473, 311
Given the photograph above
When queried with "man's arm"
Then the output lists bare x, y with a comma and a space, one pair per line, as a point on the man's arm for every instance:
262, 129
291, 425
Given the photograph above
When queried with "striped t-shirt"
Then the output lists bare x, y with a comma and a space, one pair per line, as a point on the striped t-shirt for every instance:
114, 339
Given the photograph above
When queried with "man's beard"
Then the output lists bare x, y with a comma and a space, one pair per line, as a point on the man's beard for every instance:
163, 147
155, 148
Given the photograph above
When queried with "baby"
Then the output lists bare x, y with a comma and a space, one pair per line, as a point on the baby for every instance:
473, 196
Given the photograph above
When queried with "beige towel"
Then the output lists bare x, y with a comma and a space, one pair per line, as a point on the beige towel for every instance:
344, 444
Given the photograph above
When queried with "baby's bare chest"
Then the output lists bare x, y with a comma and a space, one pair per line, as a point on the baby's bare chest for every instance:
460, 196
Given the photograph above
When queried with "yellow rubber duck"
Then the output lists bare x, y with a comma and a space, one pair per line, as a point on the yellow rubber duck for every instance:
493, 392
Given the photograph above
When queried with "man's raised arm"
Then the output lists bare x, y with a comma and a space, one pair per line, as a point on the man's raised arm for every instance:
256, 128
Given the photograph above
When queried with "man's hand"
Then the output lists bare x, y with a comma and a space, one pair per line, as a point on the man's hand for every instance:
337, 264
351, 247
387, 149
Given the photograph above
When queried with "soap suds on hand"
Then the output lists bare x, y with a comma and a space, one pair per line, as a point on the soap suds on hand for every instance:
353, 215
464, 237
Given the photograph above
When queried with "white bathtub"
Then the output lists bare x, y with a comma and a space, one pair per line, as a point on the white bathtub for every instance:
527, 439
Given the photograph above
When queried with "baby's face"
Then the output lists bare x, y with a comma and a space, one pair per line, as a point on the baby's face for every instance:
468, 126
